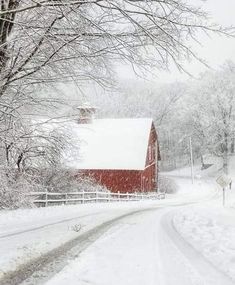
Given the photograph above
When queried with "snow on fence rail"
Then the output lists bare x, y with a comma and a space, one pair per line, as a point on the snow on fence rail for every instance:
46, 198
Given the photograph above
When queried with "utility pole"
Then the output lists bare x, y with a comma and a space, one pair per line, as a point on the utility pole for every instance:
191, 159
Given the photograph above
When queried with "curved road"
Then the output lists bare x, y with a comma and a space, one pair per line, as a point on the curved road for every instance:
142, 248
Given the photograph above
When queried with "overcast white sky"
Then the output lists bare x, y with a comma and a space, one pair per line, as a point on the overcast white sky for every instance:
215, 50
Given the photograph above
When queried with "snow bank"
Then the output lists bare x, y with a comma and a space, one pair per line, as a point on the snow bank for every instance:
211, 232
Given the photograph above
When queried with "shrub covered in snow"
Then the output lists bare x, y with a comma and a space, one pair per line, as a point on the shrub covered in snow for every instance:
166, 185
14, 189
15, 186
64, 181
88, 184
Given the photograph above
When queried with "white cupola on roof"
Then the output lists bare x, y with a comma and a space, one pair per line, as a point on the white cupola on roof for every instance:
86, 113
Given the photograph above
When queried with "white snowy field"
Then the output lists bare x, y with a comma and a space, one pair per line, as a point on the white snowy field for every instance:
175, 241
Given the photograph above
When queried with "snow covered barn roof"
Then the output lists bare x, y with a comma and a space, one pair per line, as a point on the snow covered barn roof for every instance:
110, 144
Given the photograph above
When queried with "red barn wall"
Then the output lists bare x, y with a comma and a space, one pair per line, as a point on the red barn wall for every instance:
126, 180
117, 180
152, 153
149, 175
148, 178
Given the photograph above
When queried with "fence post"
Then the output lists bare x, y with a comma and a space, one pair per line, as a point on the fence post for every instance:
66, 198
96, 196
127, 196
119, 197
83, 197
46, 197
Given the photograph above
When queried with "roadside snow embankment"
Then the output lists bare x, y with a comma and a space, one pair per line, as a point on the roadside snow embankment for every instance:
212, 233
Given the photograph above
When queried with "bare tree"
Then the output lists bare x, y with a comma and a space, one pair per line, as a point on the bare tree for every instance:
214, 116
46, 41
40, 41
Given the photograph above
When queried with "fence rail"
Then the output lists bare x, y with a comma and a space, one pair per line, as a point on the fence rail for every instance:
53, 198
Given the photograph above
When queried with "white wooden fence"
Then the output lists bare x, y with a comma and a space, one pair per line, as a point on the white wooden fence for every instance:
49, 198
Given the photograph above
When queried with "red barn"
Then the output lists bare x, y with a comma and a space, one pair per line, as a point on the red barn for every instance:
121, 154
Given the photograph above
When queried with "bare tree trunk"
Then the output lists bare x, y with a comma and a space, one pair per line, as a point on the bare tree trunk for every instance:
6, 26
202, 162
225, 163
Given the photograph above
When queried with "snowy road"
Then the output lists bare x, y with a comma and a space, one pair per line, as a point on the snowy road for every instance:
141, 249
119, 243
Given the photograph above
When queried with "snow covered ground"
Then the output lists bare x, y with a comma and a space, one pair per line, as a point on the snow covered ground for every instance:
211, 231
140, 251
186, 239
27, 234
